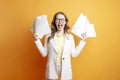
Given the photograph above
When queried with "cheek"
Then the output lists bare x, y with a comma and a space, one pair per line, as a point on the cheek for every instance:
64, 24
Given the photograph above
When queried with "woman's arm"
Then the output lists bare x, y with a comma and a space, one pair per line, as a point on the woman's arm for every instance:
77, 50
43, 50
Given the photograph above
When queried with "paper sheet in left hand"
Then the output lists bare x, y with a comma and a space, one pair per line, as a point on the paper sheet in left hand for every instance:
82, 25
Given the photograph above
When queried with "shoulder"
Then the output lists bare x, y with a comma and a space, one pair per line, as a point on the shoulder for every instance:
69, 36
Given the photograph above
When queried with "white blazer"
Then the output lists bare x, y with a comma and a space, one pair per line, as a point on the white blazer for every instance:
68, 51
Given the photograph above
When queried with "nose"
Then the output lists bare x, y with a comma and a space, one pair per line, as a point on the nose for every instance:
60, 20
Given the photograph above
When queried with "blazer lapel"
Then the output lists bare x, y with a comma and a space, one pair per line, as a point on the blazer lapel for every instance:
52, 41
67, 37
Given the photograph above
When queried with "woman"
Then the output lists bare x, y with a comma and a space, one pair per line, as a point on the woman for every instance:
59, 46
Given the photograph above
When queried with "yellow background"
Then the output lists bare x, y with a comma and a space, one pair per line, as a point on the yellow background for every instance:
20, 59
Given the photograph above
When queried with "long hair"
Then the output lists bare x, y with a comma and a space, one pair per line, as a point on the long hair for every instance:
54, 27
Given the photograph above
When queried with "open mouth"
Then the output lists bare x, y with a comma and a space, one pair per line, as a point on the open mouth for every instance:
60, 25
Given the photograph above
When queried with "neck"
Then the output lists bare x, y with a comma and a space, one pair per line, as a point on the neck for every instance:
60, 32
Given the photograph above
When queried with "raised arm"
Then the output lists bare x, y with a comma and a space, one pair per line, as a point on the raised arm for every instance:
43, 50
77, 50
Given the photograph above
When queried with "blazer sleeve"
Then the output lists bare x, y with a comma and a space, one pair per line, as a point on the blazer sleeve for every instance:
77, 50
43, 50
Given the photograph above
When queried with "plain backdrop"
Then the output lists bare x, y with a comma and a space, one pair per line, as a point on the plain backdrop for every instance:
20, 59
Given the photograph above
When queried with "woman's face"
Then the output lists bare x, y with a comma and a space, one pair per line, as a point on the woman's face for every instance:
60, 22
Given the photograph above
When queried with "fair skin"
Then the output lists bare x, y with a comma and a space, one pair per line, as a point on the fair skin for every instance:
60, 23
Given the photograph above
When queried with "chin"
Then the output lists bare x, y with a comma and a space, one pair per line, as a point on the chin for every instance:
60, 29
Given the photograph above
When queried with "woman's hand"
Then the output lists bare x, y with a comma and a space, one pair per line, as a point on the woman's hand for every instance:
36, 36
84, 36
